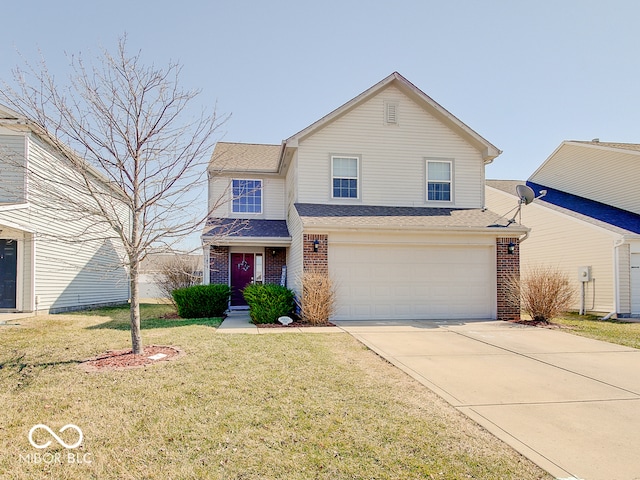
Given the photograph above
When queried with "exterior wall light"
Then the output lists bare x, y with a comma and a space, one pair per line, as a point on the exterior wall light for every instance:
511, 248
316, 245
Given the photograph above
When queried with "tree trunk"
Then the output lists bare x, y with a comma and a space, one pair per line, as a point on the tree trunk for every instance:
136, 337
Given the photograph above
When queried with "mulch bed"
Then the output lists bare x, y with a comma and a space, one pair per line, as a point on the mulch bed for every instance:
538, 323
125, 359
291, 325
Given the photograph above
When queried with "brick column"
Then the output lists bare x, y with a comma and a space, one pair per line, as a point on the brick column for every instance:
273, 264
315, 260
219, 265
507, 265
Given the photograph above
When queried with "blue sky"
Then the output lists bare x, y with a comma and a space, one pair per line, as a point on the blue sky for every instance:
524, 74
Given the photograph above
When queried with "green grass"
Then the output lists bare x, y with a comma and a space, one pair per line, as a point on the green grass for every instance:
614, 331
271, 406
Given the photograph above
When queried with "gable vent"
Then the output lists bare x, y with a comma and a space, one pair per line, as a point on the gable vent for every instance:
391, 113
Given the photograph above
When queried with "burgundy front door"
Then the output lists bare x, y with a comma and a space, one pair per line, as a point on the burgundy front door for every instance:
241, 276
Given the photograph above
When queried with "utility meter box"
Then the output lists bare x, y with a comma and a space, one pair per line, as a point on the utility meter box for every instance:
584, 274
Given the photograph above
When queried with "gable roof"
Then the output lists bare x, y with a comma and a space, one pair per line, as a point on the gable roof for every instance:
245, 157
489, 151
605, 216
598, 143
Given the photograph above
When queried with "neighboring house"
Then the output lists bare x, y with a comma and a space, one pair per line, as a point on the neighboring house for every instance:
385, 193
45, 262
590, 217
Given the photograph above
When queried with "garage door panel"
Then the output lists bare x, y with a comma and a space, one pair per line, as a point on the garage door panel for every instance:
391, 281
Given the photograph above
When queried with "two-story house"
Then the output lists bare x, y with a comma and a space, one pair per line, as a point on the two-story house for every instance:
385, 193
588, 222
49, 258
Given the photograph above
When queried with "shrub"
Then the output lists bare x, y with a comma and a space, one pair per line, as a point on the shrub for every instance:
543, 293
318, 297
177, 272
268, 302
201, 301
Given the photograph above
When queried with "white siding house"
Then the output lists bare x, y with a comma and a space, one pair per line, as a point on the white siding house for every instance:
53, 258
385, 193
584, 220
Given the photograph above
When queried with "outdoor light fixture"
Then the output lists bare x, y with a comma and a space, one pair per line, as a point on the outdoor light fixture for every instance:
511, 248
273, 252
316, 245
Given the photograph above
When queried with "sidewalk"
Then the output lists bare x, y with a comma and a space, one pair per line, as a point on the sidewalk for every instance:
238, 321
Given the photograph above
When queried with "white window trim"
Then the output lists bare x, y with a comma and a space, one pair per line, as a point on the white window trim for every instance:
261, 196
451, 180
357, 178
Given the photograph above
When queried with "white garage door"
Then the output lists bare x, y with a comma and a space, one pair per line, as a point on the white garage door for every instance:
413, 282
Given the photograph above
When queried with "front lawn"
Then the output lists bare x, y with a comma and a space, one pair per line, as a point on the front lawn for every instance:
270, 406
614, 331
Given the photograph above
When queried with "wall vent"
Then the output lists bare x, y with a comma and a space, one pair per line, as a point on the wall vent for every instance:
391, 113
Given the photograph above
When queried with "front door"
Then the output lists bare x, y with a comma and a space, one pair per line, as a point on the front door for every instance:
8, 273
242, 267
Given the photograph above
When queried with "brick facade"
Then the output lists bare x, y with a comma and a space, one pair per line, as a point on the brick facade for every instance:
315, 260
274, 259
219, 265
507, 264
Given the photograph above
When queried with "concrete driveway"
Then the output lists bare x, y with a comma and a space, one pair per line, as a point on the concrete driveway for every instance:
570, 404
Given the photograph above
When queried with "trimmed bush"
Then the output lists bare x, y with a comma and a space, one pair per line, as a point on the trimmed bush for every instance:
202, 301
268, 302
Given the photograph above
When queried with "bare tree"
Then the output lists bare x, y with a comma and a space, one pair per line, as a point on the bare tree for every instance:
131, 124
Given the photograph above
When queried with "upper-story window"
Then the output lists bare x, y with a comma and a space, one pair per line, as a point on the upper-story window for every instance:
439, 181
247, 196
344, 175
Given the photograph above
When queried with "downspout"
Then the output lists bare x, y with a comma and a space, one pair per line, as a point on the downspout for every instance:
616, 278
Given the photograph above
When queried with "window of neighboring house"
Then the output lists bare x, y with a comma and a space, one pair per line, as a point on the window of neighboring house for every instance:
247, 196
344, 175
439, 181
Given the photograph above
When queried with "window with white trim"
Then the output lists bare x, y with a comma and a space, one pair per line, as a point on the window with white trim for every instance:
247, 196
439, 181
344, 177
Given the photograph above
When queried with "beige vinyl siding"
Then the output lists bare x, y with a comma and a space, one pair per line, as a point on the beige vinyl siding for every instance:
393, 157
623, 254
70, 269
273, 197
598, 173
294, 252
557, 240
294, 224
12, 168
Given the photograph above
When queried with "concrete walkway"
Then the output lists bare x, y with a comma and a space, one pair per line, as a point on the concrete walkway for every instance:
570, 404
9, 319
238, 321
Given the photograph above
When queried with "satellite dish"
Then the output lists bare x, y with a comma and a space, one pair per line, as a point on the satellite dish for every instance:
525, 194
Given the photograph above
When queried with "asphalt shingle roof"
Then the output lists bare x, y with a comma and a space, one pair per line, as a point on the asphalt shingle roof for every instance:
232, 227
590, 211
624, 146
245, 157
395, 217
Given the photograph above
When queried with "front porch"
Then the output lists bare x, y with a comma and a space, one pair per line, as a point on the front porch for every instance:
240, 252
